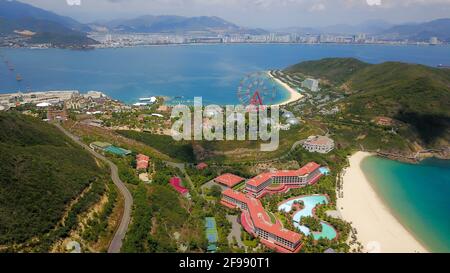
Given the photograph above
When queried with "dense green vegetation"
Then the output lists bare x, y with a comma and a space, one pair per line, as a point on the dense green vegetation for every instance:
417, 96
200, 177
42, 175
180, 150
312, 223
97, 227
333, 69
158, 215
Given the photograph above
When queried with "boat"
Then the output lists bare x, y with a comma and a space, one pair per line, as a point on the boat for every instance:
18, 78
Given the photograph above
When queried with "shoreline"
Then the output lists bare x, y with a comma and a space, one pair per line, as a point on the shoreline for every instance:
378, 229
294, 95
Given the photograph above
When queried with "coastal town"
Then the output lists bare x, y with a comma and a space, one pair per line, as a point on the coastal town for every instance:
123, 40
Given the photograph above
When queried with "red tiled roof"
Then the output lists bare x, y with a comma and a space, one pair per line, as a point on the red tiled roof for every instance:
176, 184
262, 178
141, 165
229, 180
140, 157
202, 166
261, 219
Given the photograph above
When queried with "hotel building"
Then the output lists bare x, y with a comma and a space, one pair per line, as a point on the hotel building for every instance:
257, 222
229, 180
283, 181
311, 84
318, 144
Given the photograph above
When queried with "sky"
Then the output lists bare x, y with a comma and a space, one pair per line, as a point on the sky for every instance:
269, 14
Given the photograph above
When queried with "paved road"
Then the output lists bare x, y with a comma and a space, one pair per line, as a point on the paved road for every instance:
235, 231
116, 243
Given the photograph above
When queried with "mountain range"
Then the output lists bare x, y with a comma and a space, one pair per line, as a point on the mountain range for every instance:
45, 26
176, 25
369, 27
439, 28
420, 32
49, 27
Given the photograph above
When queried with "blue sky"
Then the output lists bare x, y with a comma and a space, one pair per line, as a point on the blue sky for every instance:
257, 13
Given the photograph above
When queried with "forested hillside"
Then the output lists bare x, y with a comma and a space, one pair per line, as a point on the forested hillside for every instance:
45, 182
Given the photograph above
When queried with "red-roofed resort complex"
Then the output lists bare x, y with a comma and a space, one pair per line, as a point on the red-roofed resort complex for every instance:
254, 218
257, 222
283, 181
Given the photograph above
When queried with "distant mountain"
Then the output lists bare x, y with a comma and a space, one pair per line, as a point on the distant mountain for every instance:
47, 26
176, 24
421, 32
299, 30
368, 27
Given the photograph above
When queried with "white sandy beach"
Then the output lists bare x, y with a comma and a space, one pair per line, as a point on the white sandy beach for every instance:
378, 230
293, 94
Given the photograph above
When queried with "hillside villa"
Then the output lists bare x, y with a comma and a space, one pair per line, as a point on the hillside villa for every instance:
318, 144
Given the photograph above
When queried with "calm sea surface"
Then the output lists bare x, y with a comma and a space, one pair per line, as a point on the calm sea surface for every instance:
210, 71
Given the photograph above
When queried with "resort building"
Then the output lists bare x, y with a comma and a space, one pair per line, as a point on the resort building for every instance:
384, 121
318, 144
55, 114
229, 180
256, 221
311, 84
283, 181
142, 162
202, 166
175, 182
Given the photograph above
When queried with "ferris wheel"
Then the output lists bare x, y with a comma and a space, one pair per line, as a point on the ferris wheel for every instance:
257, 89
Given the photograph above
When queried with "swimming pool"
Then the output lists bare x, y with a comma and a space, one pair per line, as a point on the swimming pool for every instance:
310, 202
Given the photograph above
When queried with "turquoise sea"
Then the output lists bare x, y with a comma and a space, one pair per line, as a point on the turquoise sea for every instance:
418, 195
210, 71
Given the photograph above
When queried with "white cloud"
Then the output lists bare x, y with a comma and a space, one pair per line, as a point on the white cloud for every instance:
73, 2
317, 7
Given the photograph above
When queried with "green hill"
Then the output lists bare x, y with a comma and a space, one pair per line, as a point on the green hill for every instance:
49, 27
416, 95
42, 175
334, 69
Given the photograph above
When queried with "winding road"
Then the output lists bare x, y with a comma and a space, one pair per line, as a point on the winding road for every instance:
116, 243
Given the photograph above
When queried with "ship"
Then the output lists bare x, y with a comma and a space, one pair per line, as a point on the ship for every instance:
18, 78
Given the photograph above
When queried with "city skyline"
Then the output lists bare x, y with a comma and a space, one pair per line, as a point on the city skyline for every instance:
270, 14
